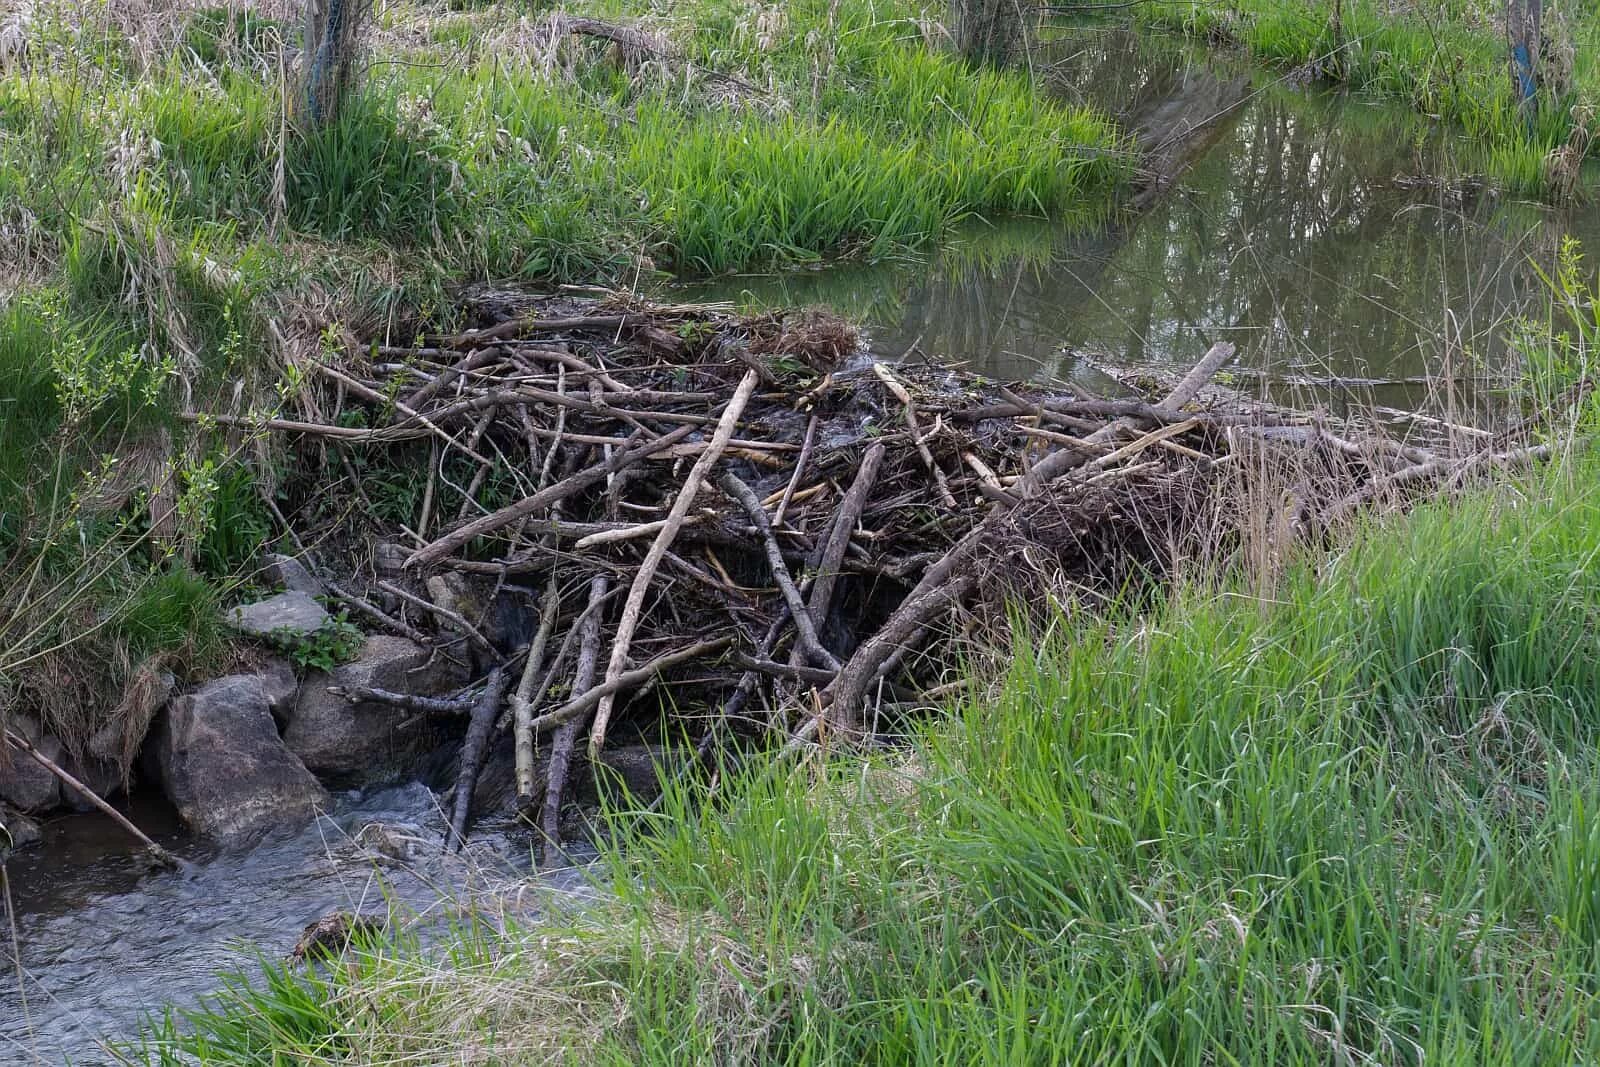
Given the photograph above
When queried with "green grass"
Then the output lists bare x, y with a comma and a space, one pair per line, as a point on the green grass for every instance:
1355, 821
1445, 58
162, 226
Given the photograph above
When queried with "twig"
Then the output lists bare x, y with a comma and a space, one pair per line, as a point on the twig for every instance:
567, 733
629, 620
544, 498
799, 470
625, 680
455, 619
804, 625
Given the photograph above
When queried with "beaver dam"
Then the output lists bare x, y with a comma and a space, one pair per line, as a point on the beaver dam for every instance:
745, 529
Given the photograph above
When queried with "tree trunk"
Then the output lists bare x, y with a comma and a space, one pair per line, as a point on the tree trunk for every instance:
328, 62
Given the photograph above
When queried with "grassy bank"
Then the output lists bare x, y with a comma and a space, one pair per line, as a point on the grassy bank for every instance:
1446, 58
171, 242
1350, 820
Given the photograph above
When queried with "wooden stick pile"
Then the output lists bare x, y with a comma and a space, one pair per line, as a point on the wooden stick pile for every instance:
752, 524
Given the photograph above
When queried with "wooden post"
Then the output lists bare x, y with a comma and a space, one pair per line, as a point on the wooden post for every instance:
1524, 34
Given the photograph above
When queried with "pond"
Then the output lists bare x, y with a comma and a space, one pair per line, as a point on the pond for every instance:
1304, 226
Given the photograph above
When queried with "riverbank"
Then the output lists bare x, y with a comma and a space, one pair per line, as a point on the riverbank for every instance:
1448, 60
1346, 811
173, 245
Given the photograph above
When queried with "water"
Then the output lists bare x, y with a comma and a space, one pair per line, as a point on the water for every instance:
1301, 225
106, 942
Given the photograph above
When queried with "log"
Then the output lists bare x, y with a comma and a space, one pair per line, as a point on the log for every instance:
473, 751
156, 852
566, 737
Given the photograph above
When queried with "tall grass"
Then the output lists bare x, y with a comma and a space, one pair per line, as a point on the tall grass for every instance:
1351, 822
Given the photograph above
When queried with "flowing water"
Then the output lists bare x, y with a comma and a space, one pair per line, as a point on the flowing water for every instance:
1300, 225
106, 942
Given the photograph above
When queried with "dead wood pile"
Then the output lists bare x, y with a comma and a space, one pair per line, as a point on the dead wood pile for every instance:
749, 521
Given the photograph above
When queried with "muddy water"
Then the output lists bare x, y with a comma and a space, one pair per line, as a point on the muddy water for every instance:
1299, 224
106, 942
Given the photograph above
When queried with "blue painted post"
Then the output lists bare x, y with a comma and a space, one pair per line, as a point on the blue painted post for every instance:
1524, 27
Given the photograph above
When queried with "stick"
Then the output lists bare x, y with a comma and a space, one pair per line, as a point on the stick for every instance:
799, 471
378, 615
473, 749
580, 704
855, 499
159, 854
521, 708
544, 498
803, 623
629, 620
468, 631
904, 396
567, 733
458, 705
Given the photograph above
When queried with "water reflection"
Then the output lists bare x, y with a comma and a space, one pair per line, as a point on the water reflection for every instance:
1299, 225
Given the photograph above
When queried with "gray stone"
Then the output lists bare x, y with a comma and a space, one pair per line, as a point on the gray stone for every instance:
367, 742
389, 559
281, 686
23, 782
287, 613
221, 763
102, 776
278, 570
17, 831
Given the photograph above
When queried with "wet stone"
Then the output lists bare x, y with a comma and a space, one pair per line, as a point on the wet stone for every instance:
23, 782
222, 764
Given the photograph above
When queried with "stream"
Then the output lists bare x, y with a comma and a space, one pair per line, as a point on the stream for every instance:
1297, 223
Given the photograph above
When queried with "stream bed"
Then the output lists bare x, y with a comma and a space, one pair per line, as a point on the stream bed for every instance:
1301, 225
106, 942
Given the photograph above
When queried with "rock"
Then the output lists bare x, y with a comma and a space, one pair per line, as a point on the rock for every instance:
17, 831
293, 613
278, 570
26, 784
389, 559
349, 744
220, 760
101, 776
281, 686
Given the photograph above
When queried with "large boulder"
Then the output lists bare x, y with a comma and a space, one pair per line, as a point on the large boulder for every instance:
350, 745
293, 614
220, 760
23, 781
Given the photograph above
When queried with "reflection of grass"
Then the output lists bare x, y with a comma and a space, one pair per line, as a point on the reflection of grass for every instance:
1356, 821
877, 292
1443, 59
